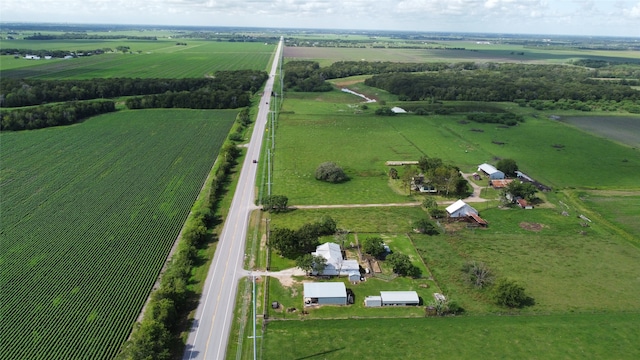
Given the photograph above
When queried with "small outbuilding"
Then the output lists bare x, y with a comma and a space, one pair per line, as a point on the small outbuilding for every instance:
327, 293
373, 301
399, 298
460, 209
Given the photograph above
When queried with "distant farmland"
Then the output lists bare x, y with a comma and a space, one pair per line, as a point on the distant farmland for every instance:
165, 60
89, 214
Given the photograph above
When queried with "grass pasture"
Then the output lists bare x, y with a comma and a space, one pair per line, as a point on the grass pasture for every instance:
603, 336
618, 207
90, 212
565, 267
314, 128
160, 59
466, 51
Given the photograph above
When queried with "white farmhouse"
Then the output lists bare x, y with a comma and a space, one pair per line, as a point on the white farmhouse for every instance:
336, 265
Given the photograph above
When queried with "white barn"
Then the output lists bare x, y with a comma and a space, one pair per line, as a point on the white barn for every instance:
491, 171
460, 209
328, 293
336, 265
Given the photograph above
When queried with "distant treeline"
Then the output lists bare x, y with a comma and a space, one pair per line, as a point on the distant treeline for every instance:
504, 82
206, 98
53, 115
27, 92
308, 76
537, 86
85, 36
52, 53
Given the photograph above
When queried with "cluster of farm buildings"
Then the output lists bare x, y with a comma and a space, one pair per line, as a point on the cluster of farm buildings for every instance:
336, 293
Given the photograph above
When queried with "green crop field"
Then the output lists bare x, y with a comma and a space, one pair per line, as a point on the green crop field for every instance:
314, 128
89, 214
598, 336
150, 59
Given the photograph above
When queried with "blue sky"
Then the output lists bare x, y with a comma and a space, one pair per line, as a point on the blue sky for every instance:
565, 17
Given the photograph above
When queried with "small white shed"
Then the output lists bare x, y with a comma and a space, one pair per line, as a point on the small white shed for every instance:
372, 301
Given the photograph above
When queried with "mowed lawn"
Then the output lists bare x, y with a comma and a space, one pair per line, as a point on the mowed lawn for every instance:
583, 336
319, 127
159, 59
89, 214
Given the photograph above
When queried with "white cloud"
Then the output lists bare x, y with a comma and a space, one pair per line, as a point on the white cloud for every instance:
551, 16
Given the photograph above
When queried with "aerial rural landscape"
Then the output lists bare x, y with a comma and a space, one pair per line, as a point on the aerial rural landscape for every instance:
193, 192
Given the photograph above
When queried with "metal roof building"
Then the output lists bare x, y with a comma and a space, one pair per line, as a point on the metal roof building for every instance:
491, 171
336, 265
460, 209
328, 293
399, 298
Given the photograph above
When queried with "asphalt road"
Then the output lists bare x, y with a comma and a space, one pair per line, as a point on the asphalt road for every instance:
209, 333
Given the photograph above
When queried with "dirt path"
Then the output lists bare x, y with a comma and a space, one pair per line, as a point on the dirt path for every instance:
475, 196
336, 206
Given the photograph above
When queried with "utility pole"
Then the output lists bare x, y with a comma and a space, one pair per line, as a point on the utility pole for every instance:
268, 172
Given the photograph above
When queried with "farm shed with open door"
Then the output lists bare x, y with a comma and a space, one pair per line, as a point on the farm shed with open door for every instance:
329, 293
399, 298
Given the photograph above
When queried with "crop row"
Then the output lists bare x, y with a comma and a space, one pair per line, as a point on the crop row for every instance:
146, 65
90, 217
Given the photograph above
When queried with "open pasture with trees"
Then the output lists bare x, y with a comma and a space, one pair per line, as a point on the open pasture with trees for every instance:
317, 127
74, 278
467, 337
149, 59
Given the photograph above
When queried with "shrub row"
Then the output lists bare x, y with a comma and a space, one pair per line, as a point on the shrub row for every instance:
53, 115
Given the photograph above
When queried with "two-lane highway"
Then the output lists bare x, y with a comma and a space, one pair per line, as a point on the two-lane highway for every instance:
209, 333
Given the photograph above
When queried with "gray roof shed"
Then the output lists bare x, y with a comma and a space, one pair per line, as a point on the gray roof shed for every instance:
399, 298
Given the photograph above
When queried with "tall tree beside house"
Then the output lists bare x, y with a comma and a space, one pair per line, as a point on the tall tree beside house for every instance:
525, 190
508, 167
311, 263
407, 176
374, 246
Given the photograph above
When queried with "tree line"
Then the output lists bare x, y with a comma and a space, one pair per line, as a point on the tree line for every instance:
85, 36
536, 86
27, 92
53, 115
503, 82
52, 53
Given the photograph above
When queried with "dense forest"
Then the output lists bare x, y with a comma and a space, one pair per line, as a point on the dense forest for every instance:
21, 92
225, 90
506, 82
53, 115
